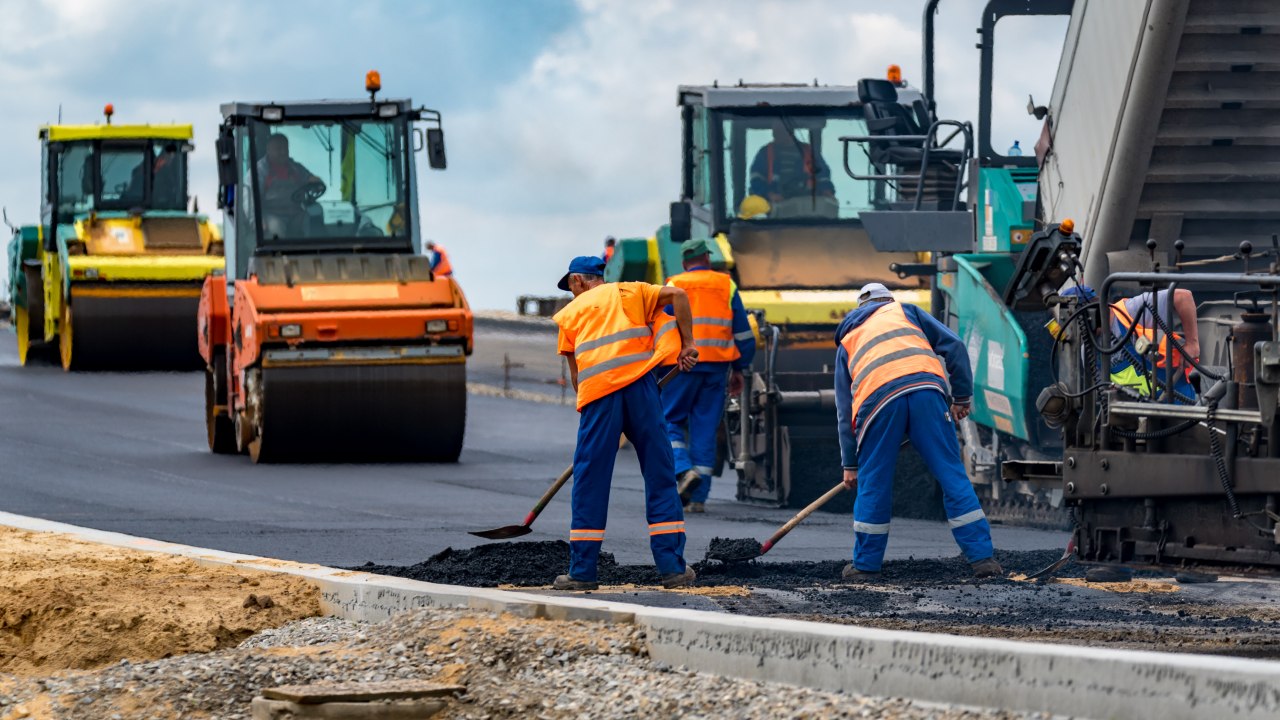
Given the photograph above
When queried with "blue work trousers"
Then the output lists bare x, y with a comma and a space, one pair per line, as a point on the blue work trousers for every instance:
636, 411
694, 403
924, 417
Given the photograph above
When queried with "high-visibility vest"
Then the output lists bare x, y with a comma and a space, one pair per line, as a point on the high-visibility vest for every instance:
610, 349
443, 268
1163, 351
608, 253
710, 294
808, 164
885, 347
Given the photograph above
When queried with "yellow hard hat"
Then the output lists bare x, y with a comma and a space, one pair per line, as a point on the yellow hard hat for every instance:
753, 206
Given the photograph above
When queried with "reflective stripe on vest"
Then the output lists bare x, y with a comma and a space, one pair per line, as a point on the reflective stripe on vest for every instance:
1148, 334
611, 351
885, 347
710, 297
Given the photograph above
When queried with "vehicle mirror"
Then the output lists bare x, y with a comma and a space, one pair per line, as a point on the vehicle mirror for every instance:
681, 222
226, 147
435, 148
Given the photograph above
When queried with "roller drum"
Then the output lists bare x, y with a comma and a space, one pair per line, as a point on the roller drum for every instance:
369, 412
132, 333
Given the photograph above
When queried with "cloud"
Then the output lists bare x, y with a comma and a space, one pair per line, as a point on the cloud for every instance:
561, 119
586, 143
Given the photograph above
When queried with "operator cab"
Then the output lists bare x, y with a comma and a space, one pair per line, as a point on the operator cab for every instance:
322, 177
112, 170
763, 169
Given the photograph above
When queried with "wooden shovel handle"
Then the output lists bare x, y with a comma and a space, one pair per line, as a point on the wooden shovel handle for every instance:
568, 472
800, 516
555, 488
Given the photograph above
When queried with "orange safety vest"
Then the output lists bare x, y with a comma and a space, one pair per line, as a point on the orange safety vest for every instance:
611, 350
710, 294
608, 253
885, 347
443, 269
1163, 351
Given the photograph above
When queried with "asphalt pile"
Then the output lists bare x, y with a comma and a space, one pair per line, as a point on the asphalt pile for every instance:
927, 594
523, 564
534, 564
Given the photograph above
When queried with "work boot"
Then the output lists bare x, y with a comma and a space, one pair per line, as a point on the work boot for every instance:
695, 507
853, 574
564, 582
687, 484
679, 580
987, 568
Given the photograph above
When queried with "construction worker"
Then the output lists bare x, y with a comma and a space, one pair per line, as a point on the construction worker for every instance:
608, 334
440, 265
610, 244
1134, 366
890, 384
694, 402
281, 178
787, 169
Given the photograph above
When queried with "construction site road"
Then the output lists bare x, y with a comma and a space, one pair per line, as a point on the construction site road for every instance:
126, 452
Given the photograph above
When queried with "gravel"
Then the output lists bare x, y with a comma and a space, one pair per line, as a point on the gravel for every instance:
512, 667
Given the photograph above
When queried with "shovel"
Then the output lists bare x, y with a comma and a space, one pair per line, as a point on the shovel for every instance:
782, 531
515, 531
1057, 565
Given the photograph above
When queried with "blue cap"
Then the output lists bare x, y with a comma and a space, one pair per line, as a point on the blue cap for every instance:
583, 265
1084, 292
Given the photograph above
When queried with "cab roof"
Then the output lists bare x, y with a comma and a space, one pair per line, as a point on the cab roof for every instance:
751, 95
65, 133
315, 108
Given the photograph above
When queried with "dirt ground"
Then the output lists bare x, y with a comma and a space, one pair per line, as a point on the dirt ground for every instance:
70, 605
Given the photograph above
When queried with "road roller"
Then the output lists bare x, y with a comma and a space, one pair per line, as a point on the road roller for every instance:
760, 179
328, 337
111, 276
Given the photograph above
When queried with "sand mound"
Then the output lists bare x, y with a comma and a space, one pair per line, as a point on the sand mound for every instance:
68, 604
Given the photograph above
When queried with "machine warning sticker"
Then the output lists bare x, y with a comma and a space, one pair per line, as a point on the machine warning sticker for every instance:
997, 403
974, 346
319, 293
995, 365
1002, 423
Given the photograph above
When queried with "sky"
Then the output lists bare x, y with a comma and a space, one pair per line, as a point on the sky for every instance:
560, 116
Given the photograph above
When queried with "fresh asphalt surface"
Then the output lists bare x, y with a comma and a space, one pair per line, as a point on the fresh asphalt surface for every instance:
126, 452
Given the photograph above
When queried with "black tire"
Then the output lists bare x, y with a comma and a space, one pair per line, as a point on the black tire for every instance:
220, 428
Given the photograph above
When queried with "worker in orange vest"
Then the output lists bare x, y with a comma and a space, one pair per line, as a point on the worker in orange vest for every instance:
440, 265
609, 334
890, 384
693, 402
610, 244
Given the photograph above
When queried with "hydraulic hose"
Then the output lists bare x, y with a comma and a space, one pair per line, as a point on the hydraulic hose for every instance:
1220, 460
1160, 323
1157, 434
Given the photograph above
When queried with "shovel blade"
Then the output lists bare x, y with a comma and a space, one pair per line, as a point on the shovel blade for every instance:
735, 551
1067, 556
503, 533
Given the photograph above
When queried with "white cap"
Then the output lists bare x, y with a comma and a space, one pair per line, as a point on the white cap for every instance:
874, 291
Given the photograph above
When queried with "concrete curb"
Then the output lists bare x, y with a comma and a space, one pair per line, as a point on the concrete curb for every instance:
1034, 677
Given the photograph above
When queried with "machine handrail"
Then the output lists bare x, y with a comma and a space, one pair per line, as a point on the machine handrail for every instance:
1169, 281
930, 144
